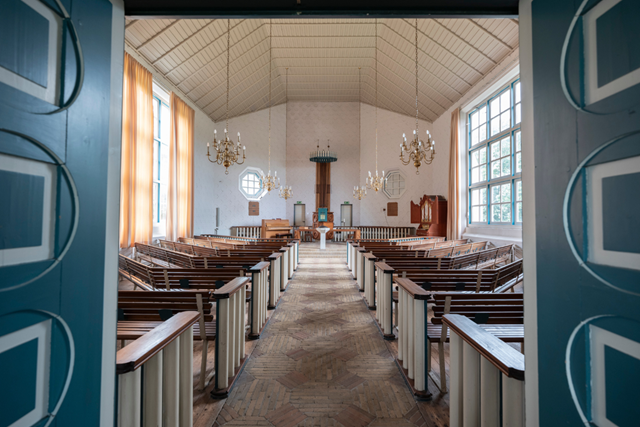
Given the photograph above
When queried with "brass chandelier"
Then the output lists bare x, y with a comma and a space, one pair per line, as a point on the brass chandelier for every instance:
286, 192
359, 192
270, 182
416, 151
375, 182
227, 152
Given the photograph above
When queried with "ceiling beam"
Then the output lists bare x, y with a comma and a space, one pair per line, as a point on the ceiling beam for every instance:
430, 56
159, 33
447, 29
490, 34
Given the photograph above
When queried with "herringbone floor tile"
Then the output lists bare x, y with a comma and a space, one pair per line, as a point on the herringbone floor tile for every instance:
322, 362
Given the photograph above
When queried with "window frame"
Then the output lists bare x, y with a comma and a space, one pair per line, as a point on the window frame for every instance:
262, 190
160, 146
485, 144
401, 190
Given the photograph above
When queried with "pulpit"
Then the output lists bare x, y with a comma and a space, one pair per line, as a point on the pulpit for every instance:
322, 218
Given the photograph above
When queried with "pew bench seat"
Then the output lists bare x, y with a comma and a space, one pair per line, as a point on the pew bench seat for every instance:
134, 329
507, 333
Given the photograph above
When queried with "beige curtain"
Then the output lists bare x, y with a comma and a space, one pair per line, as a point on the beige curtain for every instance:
180, 195
136, 169
453, 211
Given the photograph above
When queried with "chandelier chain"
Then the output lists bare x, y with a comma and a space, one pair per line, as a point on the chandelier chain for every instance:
376, 60
416, 151
227, 153
269, 95
416, 76
228, 50
286, 192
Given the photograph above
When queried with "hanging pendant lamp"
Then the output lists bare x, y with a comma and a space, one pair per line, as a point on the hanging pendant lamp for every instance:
376, 182
416, 151
227, 152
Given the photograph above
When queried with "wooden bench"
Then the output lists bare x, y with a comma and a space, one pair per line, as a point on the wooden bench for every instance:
489, 258
430, 252
169, 258
500, 280
205, 257
165, 354
141, 312
164, 278
500, 314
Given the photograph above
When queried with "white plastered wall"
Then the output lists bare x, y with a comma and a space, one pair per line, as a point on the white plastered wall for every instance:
222, 191
432, 180
306, 123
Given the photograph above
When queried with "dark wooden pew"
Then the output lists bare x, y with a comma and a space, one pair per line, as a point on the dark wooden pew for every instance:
500, 314
165, 278
498, 280
140, 312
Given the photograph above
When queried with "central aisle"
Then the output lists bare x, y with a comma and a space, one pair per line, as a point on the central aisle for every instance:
321, 360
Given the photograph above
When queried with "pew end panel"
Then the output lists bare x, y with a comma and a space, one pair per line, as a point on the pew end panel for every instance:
230, 336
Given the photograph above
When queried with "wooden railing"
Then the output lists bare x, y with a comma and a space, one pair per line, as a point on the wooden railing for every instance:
240, 238
164, 394
246, 231
386, 232
367, 232
230, 330
486, 376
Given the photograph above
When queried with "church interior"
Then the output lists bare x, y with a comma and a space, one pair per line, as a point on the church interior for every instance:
320, 215
304, 158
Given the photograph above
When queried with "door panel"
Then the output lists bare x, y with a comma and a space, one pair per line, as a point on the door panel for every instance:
53, 174
586, 211
299, 215
346, 215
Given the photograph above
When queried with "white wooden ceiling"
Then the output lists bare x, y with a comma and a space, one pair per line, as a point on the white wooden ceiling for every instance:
323, 57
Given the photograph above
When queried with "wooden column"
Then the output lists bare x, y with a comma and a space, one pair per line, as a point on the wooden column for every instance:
323, 186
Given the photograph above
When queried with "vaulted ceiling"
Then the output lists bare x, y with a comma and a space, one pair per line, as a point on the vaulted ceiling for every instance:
323, 58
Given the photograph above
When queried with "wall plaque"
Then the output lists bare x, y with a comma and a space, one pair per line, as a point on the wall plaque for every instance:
254, 208
392, 209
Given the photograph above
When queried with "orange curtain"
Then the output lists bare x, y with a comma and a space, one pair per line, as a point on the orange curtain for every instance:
180, 196
453, 212
136, 168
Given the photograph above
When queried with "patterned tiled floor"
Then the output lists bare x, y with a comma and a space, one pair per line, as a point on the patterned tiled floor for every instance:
321, 360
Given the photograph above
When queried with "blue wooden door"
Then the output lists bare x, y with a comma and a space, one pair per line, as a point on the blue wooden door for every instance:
56, 86
586, 71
